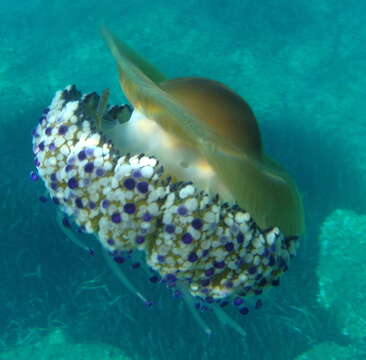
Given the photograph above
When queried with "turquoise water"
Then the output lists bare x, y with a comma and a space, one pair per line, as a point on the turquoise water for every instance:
300, 65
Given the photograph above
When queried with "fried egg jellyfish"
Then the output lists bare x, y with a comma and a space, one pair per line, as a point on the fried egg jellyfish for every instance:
182, 178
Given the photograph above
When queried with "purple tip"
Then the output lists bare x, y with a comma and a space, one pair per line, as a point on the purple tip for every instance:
43, 199
62, 130
89, 167
140, 239
205, 252
223, 303
99, 172
258, 304
41, 146
170, 228
170, 277
110, 242
82, 155
105, 204
116, 218
79, 203
192, 257
149, 304
143, 187
66, 222
177, 293
136, 173
129, 208
252, 270
240, 238
119, 259
238, 301
265, 252
154, 279
197, 223
219, 264
72, 183
81, 229
92, 205
182, 210
271, 261
229, 284
129, 183
244, 311
209, 272
146, 217
33, 176
187, 238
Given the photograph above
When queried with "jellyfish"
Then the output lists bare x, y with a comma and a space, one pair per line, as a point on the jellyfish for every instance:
179, 176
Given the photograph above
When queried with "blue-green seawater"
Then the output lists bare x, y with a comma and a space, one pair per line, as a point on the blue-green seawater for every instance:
299, 64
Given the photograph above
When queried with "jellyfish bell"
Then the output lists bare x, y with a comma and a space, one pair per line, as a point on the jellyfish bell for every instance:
182, 181
204, 132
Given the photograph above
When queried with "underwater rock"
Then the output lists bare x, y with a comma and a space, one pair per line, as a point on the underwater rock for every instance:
342, 270
56, 345
331, 351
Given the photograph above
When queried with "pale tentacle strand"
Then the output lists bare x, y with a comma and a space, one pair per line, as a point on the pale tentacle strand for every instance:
226, 319
189, 301
122, 277
69, 233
